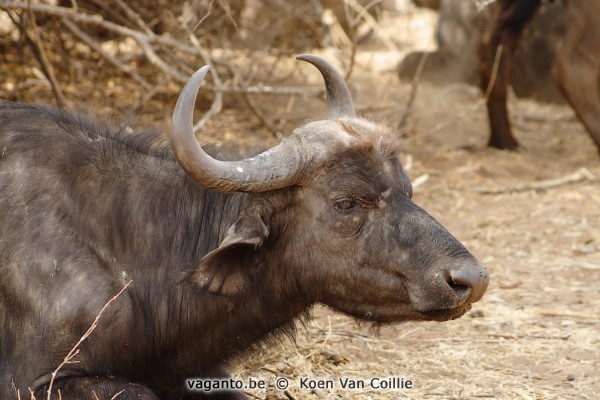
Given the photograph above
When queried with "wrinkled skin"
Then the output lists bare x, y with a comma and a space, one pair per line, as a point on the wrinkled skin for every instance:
381, 256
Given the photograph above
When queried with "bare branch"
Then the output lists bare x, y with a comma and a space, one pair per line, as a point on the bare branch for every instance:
261, 89
217, 103
372, 23
353, 50
33, 36
144, 40
413, 90
135, 17
228, 13
75, 350
98, 48
98, 20
208, 12
146, 97
263, 118
579, 175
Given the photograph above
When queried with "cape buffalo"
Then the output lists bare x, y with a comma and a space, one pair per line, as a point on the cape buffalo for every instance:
219, 254
576, 66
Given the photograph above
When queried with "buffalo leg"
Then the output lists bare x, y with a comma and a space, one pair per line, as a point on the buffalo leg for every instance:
76, 388
577, 65
496, 55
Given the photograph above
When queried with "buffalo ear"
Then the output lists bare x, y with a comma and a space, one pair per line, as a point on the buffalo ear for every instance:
225, 270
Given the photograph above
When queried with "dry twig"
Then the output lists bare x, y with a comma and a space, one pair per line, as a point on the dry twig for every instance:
217, 103
75, 350
144, 40
478, 104
579, 175
263, 118
263, 89
372, 23
413, 90
32, 33
94, 45
149, 43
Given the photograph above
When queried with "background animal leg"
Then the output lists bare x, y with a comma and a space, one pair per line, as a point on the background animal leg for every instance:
577, 66
496, 55
77, 388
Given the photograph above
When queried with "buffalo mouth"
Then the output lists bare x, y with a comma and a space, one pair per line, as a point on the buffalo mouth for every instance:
446, 314
395, 304
405, 312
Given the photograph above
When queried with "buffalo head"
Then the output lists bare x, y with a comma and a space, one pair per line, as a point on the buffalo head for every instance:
328, 216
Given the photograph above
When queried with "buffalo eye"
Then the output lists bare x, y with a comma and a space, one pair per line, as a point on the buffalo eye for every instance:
345, 206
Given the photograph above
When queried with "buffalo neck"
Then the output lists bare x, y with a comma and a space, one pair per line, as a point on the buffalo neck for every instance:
152, 228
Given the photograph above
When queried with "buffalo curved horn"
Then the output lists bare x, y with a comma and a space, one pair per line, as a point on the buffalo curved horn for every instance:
339, 99
278, 167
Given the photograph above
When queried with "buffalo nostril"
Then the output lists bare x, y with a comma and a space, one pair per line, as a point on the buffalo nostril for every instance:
459, 288
469, 281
